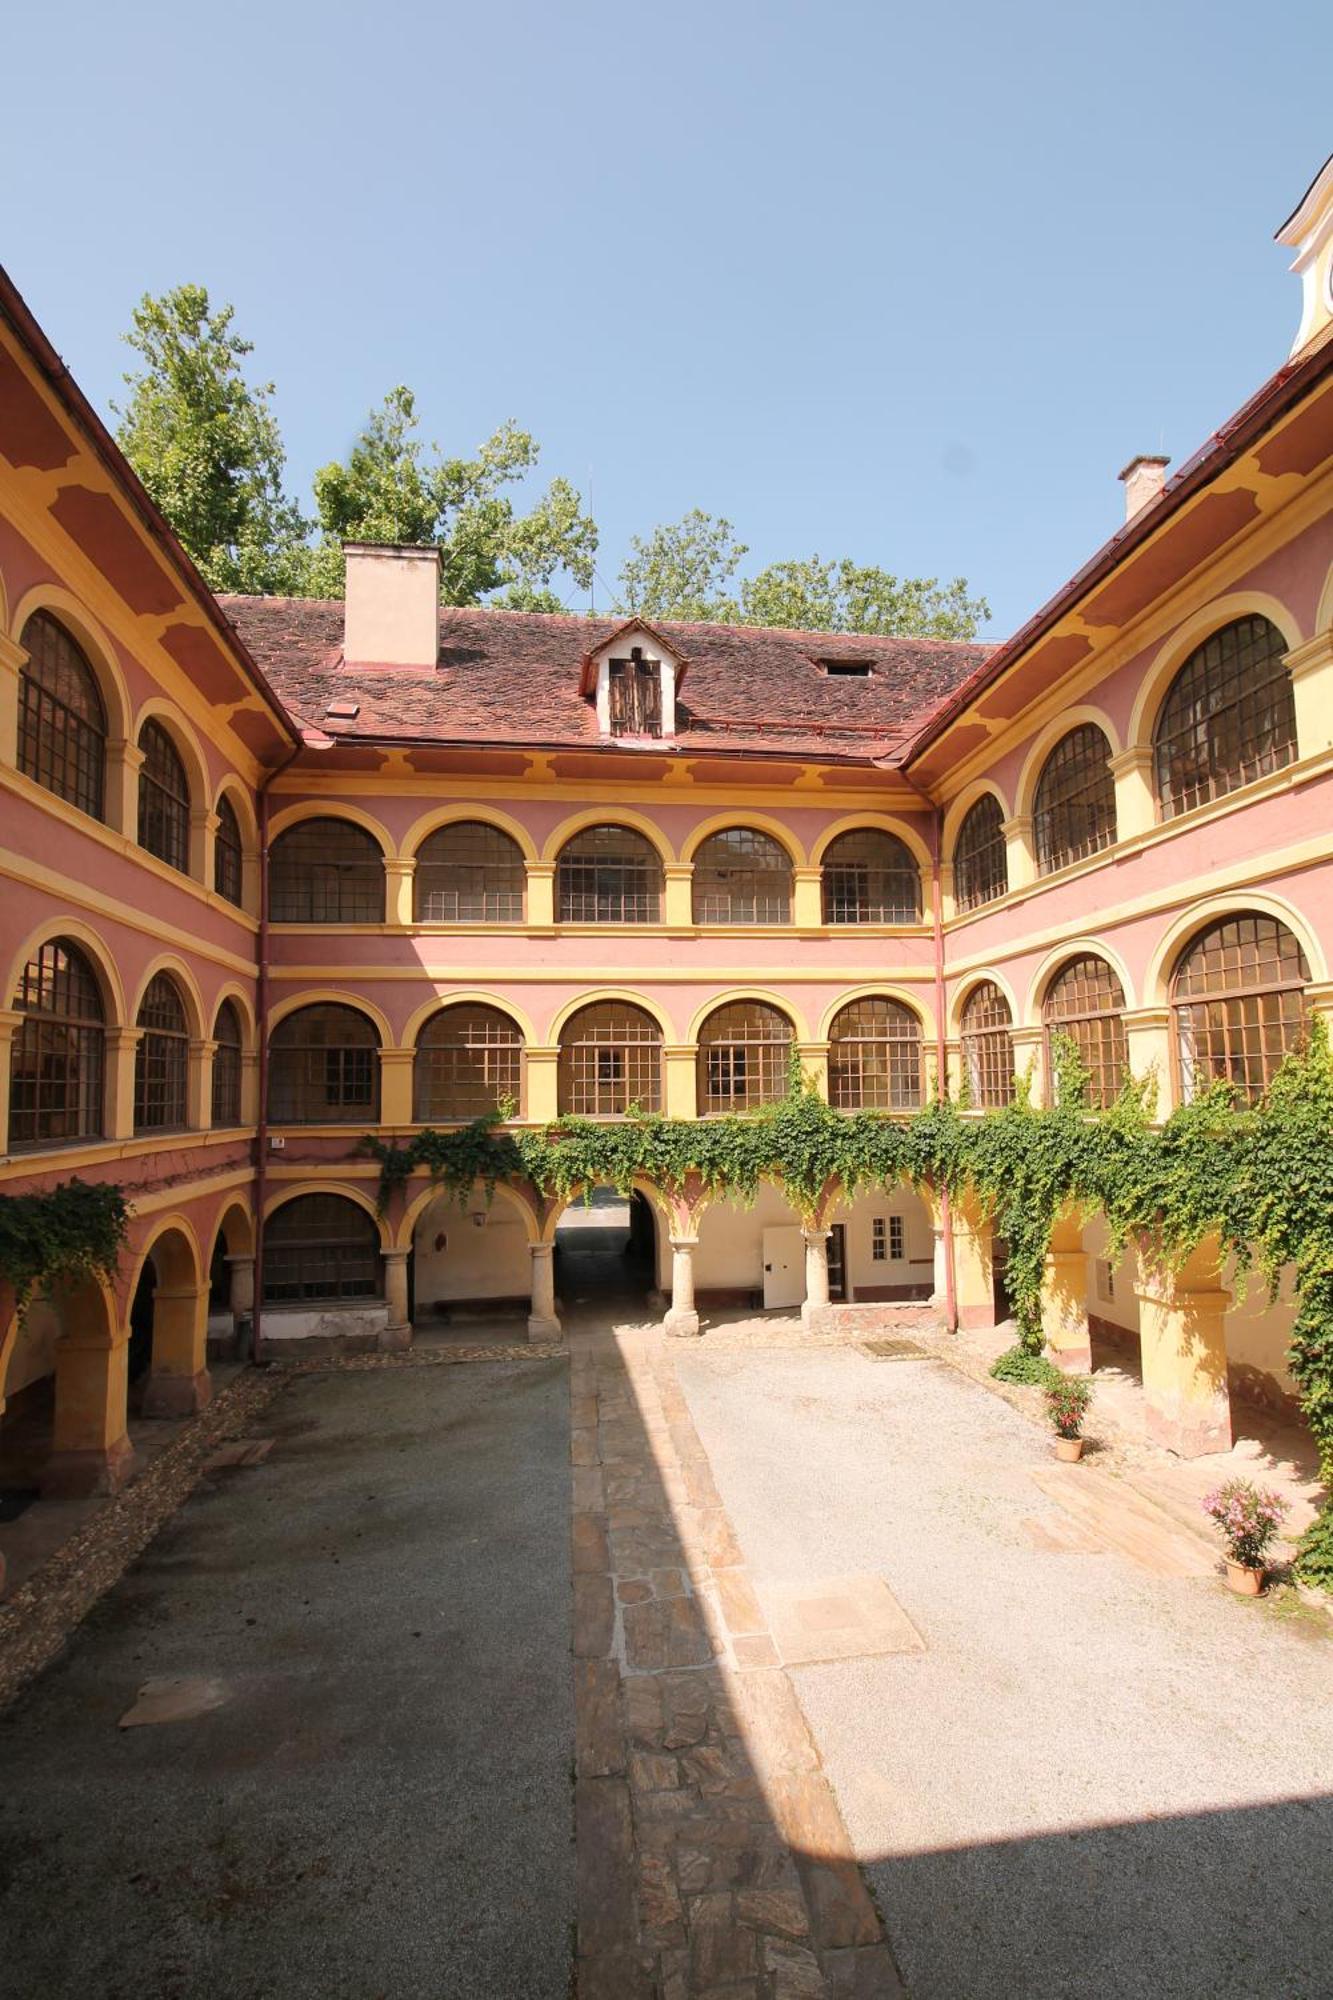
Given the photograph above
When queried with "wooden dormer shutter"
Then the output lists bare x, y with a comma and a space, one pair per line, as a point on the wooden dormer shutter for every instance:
636, 696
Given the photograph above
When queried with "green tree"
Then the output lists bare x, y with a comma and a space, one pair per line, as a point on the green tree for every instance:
683, 570
205, 442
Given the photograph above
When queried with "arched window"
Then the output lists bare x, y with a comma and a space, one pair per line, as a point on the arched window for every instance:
468, 1058
162, 1059
227, 1066
875, 1057
227, 853
164, 799
469, 873
62, 718
870, 878
1229, 716
980, 857
742, 877
59, 1051
609, 875
326, 871
744, 1057
1239, 1004
321, 1247
1073, 813
323, 1068
610, 1059
987, 1047
1086, 1001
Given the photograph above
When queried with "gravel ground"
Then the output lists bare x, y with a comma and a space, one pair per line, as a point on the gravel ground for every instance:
1093, 1780
381, 1806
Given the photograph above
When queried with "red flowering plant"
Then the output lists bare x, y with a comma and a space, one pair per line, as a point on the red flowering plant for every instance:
1249, 1517
1067, 1400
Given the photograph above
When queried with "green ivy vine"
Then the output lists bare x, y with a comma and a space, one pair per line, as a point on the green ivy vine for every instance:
65, 1233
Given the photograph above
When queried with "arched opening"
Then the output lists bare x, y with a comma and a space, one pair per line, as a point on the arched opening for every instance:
987, 1048
162, 1059
62, 717
609, 875
742, 876
1073, 809
470, 1260
469, 873
58, 1057
980, 856
1229, 716
228, 854
324, 1067
1085, 1001
870, 877
875, 1056
744, 1057
1238, 1005
610, 1061
164, 798
606, 1249
231, 1287
226, 1105
323, 1272
166, 1365
326, 871
468, 1063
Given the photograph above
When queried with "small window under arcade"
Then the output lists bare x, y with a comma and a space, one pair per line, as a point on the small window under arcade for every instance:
636, 695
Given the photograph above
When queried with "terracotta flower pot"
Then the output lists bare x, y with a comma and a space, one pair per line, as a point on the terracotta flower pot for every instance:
1069, 1449
1246, 1582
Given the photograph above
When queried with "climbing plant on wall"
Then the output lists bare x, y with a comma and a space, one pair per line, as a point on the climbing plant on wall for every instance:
59, 1236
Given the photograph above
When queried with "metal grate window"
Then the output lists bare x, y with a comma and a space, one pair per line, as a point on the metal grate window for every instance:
987, 1047
162, 1059
1086, 1001
609, 875
326, 871
469, 873
744, 1057
324, 1068
1239, 1002
467, 1059
610, 1059
875, 1057
1073, 813
742, 877
635, 695
227, 871
321, 1246
226, 1107
58, 1059
870, 878
62, 720
1229, 716
164, 799
980, 856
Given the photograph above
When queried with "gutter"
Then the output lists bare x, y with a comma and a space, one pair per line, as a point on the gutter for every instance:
261, 1079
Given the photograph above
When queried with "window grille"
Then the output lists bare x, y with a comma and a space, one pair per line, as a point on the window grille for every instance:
321, 1247
635, 691
62, 720
980, 856
226, 1109
896, 1239
469, 873
1073, 813
742, 877
1085, 1001
1239, 1002
1229, 716
324, 1068
227, 870
744, 1057
870, 878
162, 1060
1105, 1282
987, 1047
164, 799
468, 1058
875, 1057
879, 1242
326, 871
58, 1060
609, 875
610, 1059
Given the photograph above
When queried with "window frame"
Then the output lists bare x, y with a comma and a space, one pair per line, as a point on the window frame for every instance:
225, 1083
1098, 807
1291, 1024
608, 879
591, 1069
500, 879
893, 1088
744, 1058
164, 797
503, 1055
65, 1049
753, 869
874, 902
54, 739
320, 1258
970, 857
1193, 719
229, 855
1098, 1033
348, 891
162, 1059
294, 1068
987, 1048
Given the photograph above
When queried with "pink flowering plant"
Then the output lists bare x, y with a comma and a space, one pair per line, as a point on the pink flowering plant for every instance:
1067, 1400
1249, 1517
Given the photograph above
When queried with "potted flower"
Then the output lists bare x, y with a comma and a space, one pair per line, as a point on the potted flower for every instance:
1249, 1517
1066, 1405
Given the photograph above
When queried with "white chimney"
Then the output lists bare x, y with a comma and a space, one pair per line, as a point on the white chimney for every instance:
1144, 479
392, 608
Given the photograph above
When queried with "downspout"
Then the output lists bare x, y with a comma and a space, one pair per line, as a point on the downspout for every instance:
941, 1039
261, 1031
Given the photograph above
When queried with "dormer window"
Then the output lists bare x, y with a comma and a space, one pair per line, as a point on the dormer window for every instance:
635, 695
633, 678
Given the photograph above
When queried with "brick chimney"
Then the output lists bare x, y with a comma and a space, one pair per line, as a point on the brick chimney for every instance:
392, 608
1144, 479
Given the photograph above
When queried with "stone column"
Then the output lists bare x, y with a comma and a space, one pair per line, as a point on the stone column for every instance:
242, 1283
543, 1324
91, 1451
1064, 1299
816, 1274
1184, 1356
682, 1319
179, 1383
397, 1333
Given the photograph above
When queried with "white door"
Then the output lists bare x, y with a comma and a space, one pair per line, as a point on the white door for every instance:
784, 1267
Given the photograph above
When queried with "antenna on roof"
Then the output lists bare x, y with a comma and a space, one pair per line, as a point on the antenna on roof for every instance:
592, 573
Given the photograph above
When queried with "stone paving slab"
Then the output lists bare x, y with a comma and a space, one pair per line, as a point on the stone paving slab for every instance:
839, 1618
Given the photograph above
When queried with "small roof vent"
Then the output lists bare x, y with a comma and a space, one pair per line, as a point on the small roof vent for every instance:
849, 670
343, 711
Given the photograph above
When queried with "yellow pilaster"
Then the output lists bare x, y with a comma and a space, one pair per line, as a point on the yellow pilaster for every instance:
541, 896
1148, 1045
948, 901
542, 1066
179, 1383
12, 657
203, 835
398, 874
974, 1271
199, 1086
1311, 670
396, 1086
677, 898
1064, 1299
1029, 1045
91, 1450
121, 803
807, 907
681, 1063
249, 1086
121, 1047
1184, 1356
814, 1064
1019, 852
1135, 801
10, 1022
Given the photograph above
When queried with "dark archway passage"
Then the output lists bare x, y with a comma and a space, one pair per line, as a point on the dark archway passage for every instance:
606, 1248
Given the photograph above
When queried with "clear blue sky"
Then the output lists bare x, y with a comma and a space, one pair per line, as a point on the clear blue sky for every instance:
908, 283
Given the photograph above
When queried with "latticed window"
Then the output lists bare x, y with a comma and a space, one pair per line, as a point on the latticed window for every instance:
1239, 996
326, 871
321, 1246
227, 856
162, 1059
742, 877
324, 1068
635, 695
1229, 716
1086, 1001
59, 1051
469, 873
1073, 813
164, 799
875, 1057
744, 1057
870, 878
609, 875
227, 1066
987, 1047
610, 1059
62, 720
980, 858
468, 1058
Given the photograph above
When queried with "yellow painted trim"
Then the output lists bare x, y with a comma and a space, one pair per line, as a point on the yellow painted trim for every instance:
337, 996
244, 1004
245, 1209
556, 975
157, 708
879, 989
968, 985
594, 996
1188, 636
333, 807
233, 787
186, 1228
431, 822
99, 954
739, 995
434, 1192
962, 805
169, 961
705, 793
465, 996
878, 822
759, 822
281, 1196
634, 822
1172, 945
101, 654
1324, 616
1043, 744
1054, 961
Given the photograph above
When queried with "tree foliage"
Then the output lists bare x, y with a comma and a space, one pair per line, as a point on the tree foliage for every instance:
684, 570
71, 1231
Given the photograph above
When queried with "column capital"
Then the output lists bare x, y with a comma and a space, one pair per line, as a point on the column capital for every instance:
388, 1057
1310, 656
1147, 1017
12, 656
1017, 827
544, 869
686, 1243
1138, 757
541, 1249
400, 864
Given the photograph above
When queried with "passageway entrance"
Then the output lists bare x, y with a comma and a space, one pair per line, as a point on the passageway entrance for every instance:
606, 1248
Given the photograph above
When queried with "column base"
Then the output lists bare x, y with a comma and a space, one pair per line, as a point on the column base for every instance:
176, 1395
75, 1475
683, 1325
1194, 1430
1071, 1360
544, 1329
393, 1339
